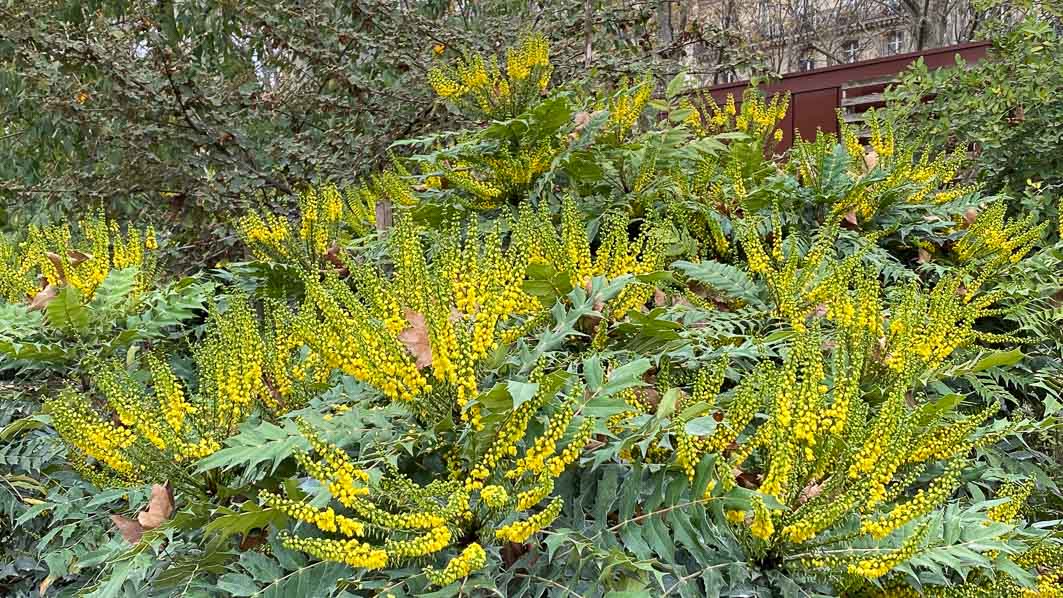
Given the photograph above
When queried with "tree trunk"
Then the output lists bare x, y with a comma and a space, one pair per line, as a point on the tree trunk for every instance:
588, 32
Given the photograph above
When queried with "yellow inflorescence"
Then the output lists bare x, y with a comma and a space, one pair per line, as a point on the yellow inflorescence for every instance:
626, 105
758, 117
161, 430
471, 559
479, 85
1016, 493
568, 250
82, 427
996, 240
922, 503
877, 566
415, 521
351, 552
324, 211
419, 334
494, 496
762, 526
55, 256
518, 532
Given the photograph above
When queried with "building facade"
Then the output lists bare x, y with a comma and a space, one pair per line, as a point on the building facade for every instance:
787, 36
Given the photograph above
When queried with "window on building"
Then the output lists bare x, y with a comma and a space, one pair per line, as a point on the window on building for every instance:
850, 51
894, 42
730, 76
806, 62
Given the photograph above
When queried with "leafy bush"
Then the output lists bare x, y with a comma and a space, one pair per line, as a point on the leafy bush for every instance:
609, 346
1003, 107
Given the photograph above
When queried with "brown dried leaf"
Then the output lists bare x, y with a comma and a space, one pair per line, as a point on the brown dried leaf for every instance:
812, 490
160, 507
47, 583
57, 261
924, 256
747, 480
581, 119
43, 297
416, 338
130, 529
659, 298
871, 159
651, 396
332, 256
970, 216
77, 257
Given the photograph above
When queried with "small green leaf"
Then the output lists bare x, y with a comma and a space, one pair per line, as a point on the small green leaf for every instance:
66, 311
701, 426
998, 359
666, 407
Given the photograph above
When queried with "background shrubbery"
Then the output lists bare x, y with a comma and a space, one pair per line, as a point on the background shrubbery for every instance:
559, 339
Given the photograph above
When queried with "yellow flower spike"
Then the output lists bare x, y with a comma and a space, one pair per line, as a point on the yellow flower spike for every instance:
518, 532
472, 558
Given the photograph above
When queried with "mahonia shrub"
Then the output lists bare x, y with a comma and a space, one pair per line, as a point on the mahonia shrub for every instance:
54, 257
419, 332
612, 343
327, 215
495, 494
478, 84
156, 432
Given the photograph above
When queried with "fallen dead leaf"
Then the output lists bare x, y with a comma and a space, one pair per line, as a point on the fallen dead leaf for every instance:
77, 257
47, 583
871, 159
332, 256
924, 256
130, 529
415, 337
57, 261
160, 507
970, 215
812, 490
44, 297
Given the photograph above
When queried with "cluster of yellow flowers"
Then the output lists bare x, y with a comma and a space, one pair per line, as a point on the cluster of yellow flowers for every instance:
152, 435
824, 451
418, 334
55, 256
757, 116
792, 276
473, 558
1045, 557
568, 250
884, 171
323, 212
479, 85
626, 105
416, 521
996, 240
489, 179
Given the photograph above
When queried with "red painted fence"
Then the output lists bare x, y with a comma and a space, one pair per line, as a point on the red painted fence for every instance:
816, 96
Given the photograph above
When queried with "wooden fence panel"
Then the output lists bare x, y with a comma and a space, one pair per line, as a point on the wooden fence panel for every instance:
817, 95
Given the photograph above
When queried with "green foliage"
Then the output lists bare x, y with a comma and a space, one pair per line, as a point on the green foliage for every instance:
1004, 107
609, 348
